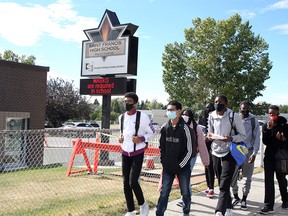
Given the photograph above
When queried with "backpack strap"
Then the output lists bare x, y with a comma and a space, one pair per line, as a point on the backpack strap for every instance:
137, 123
253, 123
121, 123
231, 119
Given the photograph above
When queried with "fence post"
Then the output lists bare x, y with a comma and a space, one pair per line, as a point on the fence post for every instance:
2, 148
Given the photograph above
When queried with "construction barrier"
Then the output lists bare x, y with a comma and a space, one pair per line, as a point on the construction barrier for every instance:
79, 148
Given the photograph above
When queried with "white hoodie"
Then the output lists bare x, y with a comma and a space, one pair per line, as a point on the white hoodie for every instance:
221, 125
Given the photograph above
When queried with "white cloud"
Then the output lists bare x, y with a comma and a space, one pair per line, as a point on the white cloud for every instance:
282, 28
282, 4
245, 14
28, 23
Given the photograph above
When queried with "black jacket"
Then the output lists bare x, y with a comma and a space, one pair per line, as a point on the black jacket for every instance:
175, 147
269, 137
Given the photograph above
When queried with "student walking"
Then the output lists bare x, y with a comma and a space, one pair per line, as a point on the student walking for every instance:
175, 156
136, 129
274, 136
252, 141
198, 146
209, 170
221, 124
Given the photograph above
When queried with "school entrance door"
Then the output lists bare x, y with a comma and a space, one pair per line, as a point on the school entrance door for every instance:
15, 143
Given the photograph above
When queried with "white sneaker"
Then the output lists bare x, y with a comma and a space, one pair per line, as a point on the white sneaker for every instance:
229, 212
130, 213
144, 209
218, 214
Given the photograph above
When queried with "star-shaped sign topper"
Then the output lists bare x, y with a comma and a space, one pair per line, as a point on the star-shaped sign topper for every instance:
110, 29
110, 39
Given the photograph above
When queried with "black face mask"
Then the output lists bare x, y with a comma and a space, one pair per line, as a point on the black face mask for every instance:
245, 113
219, 107
128, 107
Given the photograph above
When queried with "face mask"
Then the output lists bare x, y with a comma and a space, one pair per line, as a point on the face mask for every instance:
245, 113
171, 114
274, 118
186, 118
219, 107
128, 107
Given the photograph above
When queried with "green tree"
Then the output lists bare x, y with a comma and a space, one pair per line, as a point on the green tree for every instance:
83, 109
63, 102
142, 105
8, 55
283, 108
154, 105
96, 102
217, 57
96, 113
260, 108
117, 105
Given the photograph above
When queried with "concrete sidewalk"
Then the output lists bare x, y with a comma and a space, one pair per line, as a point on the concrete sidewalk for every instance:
203, 206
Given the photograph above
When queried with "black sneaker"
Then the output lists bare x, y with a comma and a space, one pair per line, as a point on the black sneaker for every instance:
243, 205
235, 201
284, 205
265, 210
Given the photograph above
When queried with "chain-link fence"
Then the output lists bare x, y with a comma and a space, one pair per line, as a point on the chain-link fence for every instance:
53, 172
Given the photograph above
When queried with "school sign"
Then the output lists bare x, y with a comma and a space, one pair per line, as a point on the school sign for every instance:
111, 50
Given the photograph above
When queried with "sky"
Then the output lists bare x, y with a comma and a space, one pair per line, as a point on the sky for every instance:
53, 31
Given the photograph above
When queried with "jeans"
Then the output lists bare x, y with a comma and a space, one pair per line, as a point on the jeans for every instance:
184, 183
224, 168
131, 170
192, 164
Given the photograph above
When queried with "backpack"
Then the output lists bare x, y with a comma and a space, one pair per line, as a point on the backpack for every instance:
137, 123
253, 123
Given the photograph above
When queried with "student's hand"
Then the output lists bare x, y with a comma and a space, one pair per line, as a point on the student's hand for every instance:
283, 137
228, 139
280, 136
209, 136
251, 159
120, 139
206, 138
270, 124
136, 139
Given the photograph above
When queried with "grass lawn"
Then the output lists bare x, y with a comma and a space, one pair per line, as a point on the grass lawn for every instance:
48, 191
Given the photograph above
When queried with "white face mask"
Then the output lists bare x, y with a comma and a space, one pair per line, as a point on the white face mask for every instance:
171, 114
186, 118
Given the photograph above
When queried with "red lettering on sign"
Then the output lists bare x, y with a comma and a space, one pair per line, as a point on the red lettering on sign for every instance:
101, 80
90, 86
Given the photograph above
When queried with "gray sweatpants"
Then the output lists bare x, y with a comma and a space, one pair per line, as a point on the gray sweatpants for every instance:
247, 172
